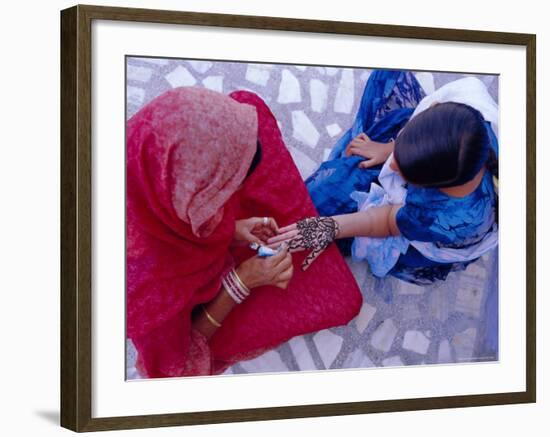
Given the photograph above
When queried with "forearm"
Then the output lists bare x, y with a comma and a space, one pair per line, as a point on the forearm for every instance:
212, 314
218, 309
375, 222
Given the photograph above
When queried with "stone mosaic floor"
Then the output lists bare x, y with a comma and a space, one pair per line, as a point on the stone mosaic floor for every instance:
399, 323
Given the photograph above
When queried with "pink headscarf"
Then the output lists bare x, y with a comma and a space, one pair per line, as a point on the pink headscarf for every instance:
188, 151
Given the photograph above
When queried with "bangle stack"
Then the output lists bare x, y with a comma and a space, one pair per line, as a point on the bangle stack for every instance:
235, 287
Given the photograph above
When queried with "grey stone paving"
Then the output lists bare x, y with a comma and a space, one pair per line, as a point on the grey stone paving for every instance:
399, 323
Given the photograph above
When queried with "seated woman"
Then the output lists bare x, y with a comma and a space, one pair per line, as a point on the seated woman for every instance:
203, 170
435, 209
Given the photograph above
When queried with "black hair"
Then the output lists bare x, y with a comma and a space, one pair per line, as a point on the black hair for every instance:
256, 159
446, 145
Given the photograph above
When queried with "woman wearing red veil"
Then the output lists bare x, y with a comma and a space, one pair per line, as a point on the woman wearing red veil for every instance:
203, 170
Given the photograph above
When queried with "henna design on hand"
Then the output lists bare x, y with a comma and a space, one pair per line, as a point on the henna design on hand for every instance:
315, 233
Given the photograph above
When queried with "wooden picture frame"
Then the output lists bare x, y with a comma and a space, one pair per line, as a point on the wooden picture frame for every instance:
76, 217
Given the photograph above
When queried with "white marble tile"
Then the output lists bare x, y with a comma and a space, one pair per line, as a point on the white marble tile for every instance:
345, 95
180, 76
394, 361
139, 74
364, 317
444, 353
135, 95
332, 71
131, 353
301, 67
214, 83
201, 66
301, 353
326, 153
131, 358
304, 130
267, 362
475, 270
228, 371
384, 335
306, 165
488, 79
365, 76
320, 70
426, 81
468, 301
416, 341
245, 88
357, 360
132, 373
464, 343
410, 311
318, 91
333, 129
258, 74
289, 88
406, 288
328, 345
155, 61
439, 305
360, 272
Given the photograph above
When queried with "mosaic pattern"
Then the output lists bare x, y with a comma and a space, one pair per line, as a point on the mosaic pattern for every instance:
399, 323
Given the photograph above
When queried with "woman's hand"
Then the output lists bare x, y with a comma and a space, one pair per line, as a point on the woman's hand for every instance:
313, 233
274, 270
255, 230
375, 152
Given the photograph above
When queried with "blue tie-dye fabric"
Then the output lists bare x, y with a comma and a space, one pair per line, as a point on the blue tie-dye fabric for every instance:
387, 104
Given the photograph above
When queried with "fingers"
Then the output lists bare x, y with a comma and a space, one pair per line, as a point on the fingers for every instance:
310, 258
284, 265
275, 246
358, 141
263, 223
264, 234
284, 277
273, 224
274, 260
360, 152
282, 237
287, 228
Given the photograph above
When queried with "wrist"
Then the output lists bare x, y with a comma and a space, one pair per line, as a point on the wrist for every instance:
245, 277
235, 287
338, 220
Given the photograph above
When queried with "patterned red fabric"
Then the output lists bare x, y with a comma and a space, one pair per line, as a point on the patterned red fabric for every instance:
179, 229
324, 296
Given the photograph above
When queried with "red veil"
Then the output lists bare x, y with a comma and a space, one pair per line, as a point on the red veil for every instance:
188, 151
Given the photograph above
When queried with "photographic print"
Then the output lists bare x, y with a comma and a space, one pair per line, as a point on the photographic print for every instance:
287, 218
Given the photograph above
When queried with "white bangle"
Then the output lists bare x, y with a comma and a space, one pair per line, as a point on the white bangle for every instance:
235, 287
230, 290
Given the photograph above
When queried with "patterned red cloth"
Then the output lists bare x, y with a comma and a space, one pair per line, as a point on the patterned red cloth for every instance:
188, 151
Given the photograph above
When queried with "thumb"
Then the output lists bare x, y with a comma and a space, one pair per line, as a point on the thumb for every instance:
368, 163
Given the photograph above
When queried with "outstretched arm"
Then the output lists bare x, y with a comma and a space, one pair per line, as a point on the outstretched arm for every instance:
316, 233
375, 222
